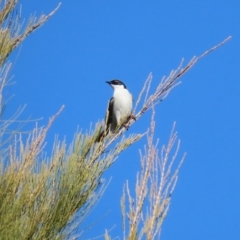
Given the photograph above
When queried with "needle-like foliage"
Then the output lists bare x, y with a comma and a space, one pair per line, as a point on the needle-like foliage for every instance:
144, 214
12, 32
48, 197
42, 198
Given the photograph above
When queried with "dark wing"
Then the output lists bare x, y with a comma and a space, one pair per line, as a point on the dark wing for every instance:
109, 113
108, 120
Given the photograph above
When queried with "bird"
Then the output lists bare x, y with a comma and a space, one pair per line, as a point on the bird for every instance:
119, 106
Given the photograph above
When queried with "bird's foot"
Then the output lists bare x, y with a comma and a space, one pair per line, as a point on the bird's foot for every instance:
126, 126
133, 117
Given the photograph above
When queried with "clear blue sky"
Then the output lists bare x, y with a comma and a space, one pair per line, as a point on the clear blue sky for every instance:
86, 43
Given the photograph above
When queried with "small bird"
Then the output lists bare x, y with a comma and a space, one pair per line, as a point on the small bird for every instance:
119, 106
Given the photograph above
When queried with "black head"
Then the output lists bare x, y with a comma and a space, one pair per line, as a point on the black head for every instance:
116, 82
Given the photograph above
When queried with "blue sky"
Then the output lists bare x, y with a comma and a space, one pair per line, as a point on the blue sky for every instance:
86, 43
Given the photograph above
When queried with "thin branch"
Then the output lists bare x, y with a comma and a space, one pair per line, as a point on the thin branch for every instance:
164, 87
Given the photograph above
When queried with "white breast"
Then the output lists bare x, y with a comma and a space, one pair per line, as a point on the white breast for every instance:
122, 107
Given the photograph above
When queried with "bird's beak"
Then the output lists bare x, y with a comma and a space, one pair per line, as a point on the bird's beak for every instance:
109, 83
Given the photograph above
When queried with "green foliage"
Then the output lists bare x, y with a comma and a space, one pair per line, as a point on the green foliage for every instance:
40, 198
43, 198
12, 33
47, 198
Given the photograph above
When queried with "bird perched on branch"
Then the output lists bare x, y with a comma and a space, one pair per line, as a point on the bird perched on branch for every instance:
119, 106
119, 109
